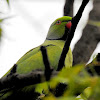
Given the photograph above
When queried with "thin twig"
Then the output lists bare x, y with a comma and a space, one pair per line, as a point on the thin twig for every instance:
48, 69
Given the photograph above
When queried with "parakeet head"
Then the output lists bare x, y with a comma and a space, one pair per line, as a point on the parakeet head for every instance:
58, 28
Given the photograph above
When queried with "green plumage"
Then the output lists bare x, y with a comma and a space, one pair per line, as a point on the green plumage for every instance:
54, 44
34, 60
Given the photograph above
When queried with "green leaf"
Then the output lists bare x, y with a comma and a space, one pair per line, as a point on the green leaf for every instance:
7, 2
94, 23
95, 95
42, 86
1, 20
0, 32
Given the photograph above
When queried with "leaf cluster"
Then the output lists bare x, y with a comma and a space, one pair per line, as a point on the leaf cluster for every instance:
79, 82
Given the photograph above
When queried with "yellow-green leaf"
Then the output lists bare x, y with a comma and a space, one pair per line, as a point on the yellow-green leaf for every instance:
7, 2
0, 32
95, 23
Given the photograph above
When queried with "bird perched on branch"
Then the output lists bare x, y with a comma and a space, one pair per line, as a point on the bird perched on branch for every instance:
54, 44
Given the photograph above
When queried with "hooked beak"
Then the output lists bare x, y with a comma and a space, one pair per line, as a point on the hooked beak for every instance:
69, 24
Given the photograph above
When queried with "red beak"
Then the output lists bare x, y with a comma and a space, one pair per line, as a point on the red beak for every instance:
68, 25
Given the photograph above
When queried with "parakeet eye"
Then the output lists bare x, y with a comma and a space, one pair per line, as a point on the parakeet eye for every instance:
58, 22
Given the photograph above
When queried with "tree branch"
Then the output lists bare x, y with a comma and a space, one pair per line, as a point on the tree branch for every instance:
68, 8
90, 37
48, 69
22, 80
75, 21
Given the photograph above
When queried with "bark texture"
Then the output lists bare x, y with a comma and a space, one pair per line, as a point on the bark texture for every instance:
90, 37
68, 8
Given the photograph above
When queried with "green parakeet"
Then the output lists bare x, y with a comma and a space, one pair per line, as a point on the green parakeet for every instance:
33, 59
